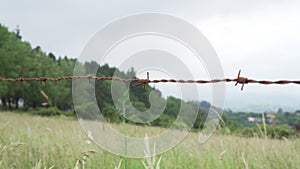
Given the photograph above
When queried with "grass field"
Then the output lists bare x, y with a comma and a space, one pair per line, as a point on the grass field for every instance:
57, 142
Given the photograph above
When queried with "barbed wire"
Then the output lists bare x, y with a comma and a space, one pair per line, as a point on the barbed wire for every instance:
238, 80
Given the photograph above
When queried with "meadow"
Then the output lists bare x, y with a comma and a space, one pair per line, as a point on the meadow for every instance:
36, 142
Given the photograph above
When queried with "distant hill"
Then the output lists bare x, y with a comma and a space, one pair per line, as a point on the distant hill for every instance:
264, 108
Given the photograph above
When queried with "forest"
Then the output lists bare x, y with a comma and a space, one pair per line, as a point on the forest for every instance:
20, 59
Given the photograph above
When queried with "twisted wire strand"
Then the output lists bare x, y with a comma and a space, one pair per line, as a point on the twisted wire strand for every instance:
238, 80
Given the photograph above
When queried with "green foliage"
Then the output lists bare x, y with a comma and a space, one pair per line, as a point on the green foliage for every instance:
273, 132
282, 126
88, 111
50, 111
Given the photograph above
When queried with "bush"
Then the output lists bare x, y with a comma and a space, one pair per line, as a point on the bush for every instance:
88, 111
50, 111
281, 131
273, 131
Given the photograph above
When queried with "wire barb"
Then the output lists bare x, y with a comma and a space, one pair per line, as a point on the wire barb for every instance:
20, 79
143, 82
241, 80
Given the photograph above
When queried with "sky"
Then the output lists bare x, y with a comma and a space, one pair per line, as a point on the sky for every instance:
259, 37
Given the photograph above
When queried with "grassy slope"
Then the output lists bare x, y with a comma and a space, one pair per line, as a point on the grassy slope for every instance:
61, 142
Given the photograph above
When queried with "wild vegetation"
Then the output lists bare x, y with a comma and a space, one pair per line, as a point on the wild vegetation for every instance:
28, 141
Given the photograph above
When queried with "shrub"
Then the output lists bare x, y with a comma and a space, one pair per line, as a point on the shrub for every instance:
50, 111
273, 131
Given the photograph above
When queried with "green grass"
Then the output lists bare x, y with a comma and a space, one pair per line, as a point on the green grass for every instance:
45, 142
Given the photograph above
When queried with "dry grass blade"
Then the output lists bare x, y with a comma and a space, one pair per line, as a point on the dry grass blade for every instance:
10, 146
80, 163
222, 155
158, 163
264, 124
245, 162
44, 95
150, 157
39, 165
77, 163
119, 165
48, 103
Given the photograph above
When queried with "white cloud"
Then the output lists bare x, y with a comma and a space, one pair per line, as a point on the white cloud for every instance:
261, 40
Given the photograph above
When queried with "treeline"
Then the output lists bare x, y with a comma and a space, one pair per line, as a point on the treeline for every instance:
279, 118
281, 126
20, 59
135, 101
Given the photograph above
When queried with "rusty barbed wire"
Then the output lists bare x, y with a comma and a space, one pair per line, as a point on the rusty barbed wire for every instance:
238, 80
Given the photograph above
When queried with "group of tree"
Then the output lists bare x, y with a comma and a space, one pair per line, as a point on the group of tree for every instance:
272, 118
20, 59
282, 126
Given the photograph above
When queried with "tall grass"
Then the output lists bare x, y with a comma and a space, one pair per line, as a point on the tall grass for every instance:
61, 143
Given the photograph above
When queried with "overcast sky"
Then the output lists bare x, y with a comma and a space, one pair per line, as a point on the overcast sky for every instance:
260, 37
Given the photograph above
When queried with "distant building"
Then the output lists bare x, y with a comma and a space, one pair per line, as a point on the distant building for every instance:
292, 113
297, 127
251, 119
271, 117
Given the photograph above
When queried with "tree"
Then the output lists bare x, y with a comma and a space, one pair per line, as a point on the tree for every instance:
280, 111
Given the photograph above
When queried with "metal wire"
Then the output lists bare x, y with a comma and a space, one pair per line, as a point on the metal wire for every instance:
238, 80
